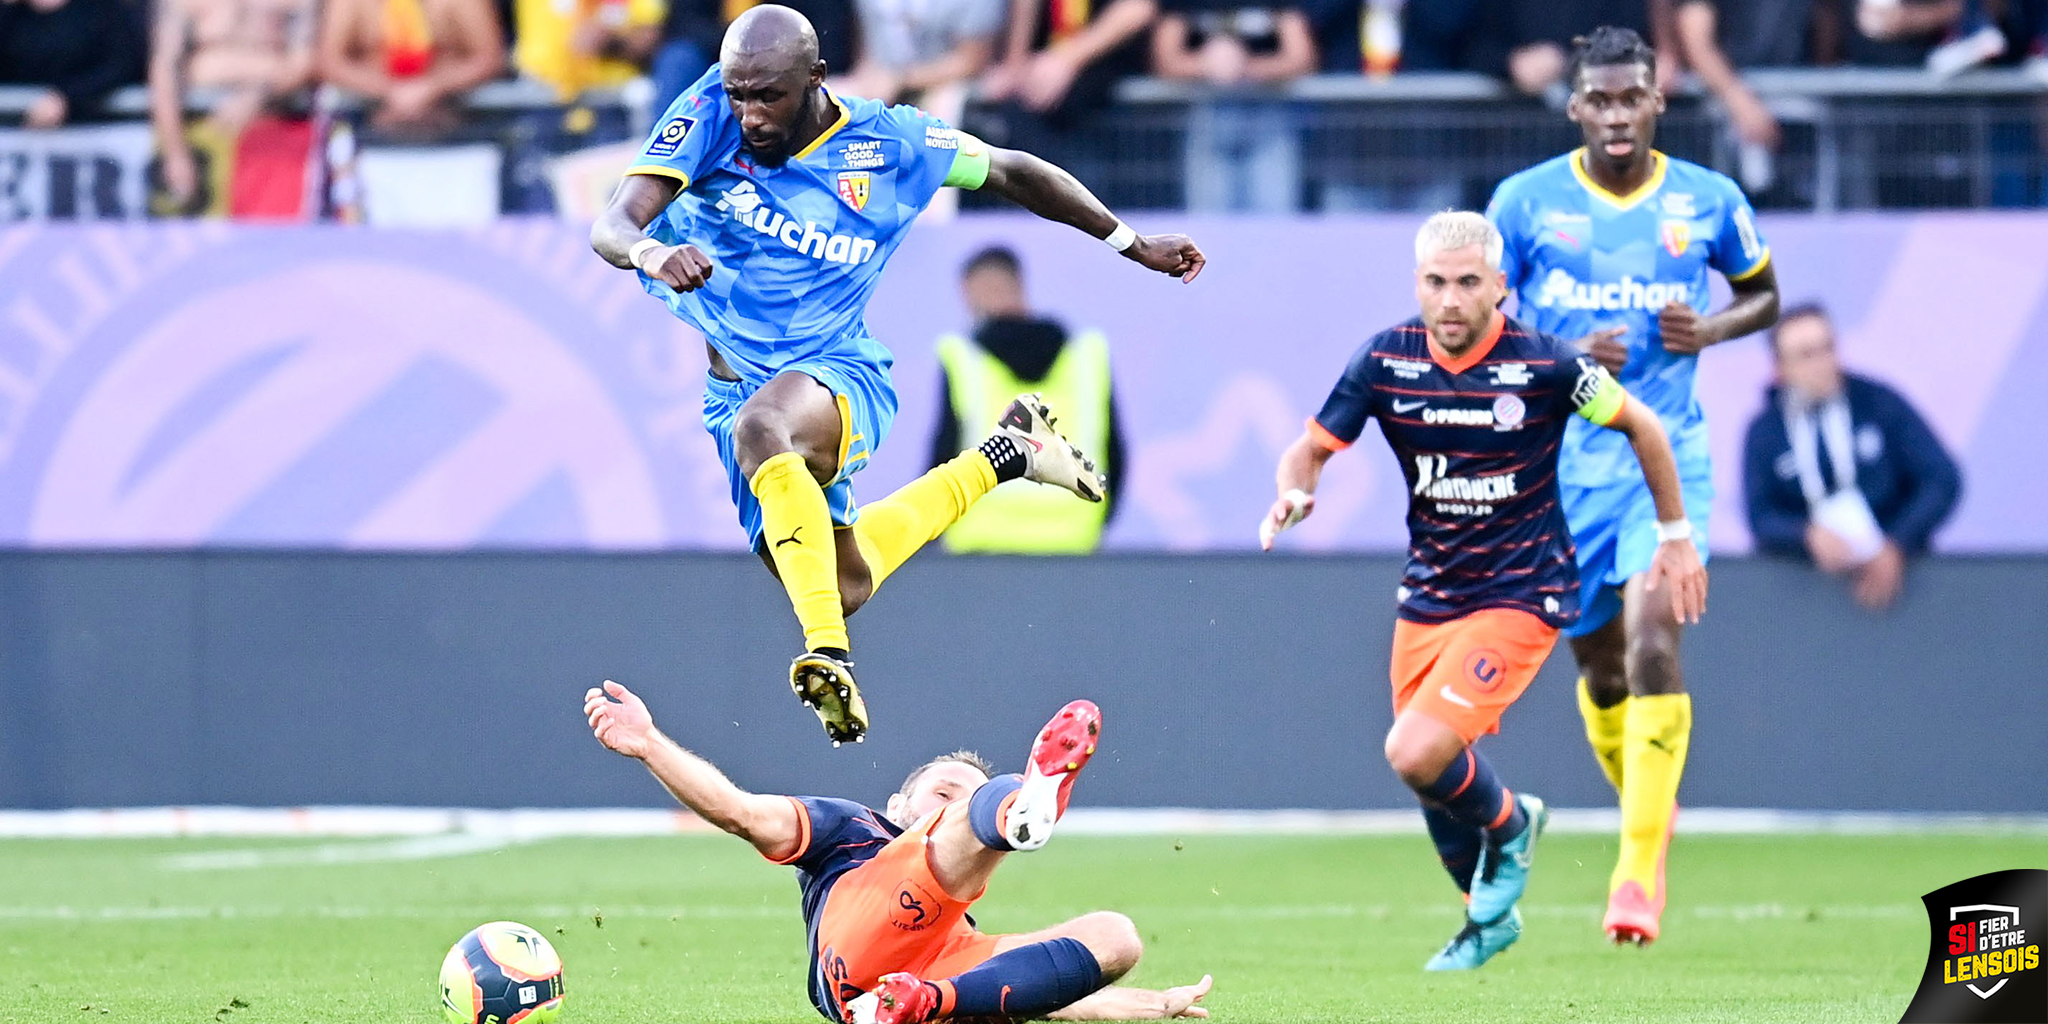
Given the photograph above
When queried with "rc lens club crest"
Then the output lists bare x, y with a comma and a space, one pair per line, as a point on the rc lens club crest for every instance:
1984, 964
853, 187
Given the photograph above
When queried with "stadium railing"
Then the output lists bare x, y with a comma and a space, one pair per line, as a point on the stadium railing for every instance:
1854, 138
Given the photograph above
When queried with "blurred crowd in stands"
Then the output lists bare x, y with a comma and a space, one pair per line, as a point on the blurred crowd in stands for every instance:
1035, 66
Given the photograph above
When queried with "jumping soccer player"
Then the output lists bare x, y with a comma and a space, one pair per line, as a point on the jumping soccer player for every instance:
1611, 244
886, 894
1474, 405
773, 206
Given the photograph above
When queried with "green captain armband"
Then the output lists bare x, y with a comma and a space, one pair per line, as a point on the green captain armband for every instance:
970, 163
1598, 396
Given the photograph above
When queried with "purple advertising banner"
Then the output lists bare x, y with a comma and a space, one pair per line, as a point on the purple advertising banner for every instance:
184, 385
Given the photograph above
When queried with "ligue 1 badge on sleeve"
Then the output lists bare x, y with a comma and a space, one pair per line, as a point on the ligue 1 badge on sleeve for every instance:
1984, 964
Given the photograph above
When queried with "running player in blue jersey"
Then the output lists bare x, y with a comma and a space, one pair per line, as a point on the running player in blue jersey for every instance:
1475, 406
1611, 244
886, 893
762, 210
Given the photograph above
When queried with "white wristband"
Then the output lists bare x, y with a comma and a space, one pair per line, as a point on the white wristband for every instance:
639, 249
1122, 237
1299, 499
1677, 529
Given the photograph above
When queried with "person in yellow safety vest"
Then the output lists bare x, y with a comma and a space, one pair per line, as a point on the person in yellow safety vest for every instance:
1013, 350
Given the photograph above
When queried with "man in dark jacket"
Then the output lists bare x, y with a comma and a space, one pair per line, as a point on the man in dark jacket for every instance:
1840, 469
1013, 349
80, 51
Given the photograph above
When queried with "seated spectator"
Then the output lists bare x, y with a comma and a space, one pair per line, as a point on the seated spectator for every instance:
2030, 19
1950, 36
692, 31
1231, 42
837, 23
574, 47
79, 51
1947, 36
924, 51
1440, 35
1013, 350
411, 58
1974, 40
1839, 468
1715, 37
690, 35
1061, 59
1529, 43
585, 44
257, 55
1243, 153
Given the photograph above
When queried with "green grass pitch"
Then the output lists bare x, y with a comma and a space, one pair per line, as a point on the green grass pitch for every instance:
693, 928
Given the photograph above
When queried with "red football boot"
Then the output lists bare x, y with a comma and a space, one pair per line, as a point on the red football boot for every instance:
1631, 917
897, 999
1061, 751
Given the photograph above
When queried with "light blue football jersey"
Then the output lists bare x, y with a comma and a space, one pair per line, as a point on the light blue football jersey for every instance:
1580, 258
796, 249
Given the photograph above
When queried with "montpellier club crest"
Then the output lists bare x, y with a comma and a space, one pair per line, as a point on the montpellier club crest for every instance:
1677, 236
853, 187
1508, 411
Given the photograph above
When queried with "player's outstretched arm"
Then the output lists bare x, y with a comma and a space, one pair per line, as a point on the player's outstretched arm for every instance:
1677, 561
1118, 1002
620, 234
1050, 192
1301, 467
621, 721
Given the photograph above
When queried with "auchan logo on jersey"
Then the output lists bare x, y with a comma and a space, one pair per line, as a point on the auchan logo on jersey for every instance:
1563, 291
743, 203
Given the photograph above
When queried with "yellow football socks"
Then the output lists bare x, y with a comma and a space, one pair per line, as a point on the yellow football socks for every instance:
796, 526
1604, 730
1653, 758
894, 528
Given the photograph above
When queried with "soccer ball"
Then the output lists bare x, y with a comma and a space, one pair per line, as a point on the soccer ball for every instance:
501, 973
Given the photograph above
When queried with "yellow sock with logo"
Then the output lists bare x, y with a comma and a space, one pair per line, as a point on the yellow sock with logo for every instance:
894, 528
797, 527
1604, 730
1653, 759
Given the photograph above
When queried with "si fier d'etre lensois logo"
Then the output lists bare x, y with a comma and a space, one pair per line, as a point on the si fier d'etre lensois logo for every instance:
1984, 964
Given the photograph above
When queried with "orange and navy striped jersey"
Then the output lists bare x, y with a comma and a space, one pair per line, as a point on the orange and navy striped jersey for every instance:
834, 837
1477, 438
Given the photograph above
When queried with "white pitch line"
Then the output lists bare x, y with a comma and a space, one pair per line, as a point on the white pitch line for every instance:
1738, 913
447, 844
1565, 820
542, 823
538, 912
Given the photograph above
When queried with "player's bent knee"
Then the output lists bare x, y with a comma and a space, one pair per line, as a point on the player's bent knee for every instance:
758, 437
856, 579
853, 594
1605, 666
1653, 664
1414, 762
1607, 687
1113, 938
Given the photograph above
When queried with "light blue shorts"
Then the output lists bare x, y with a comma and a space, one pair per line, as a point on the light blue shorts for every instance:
867, 407
1615, 529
